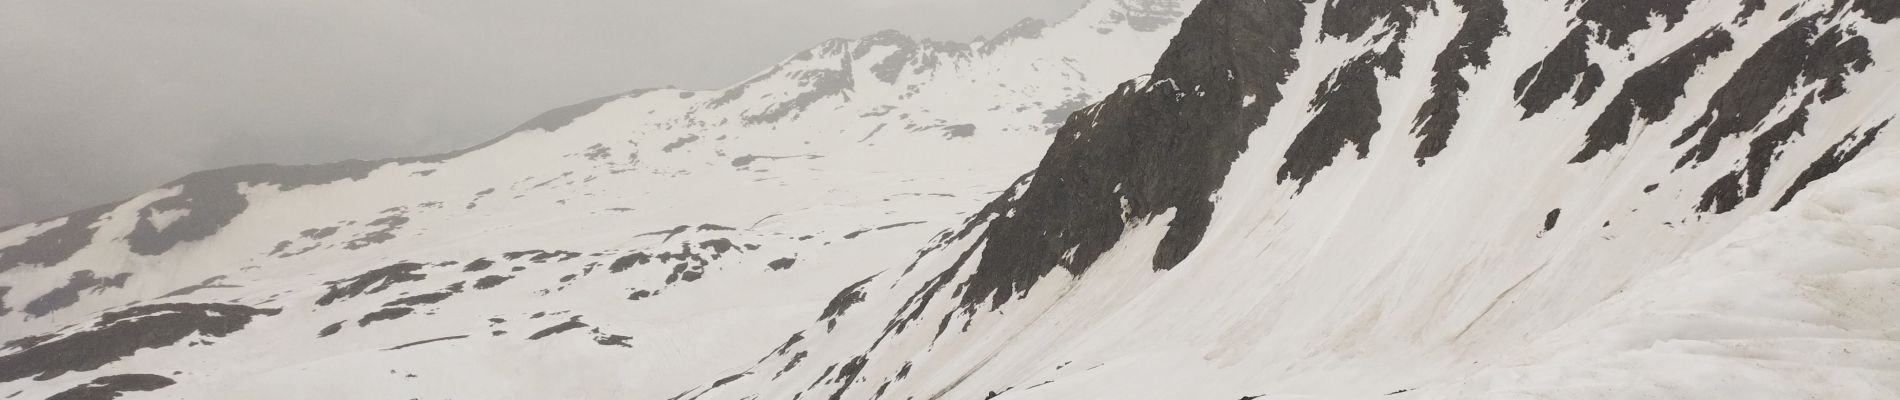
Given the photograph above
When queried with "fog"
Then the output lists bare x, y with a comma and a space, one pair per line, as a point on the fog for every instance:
101, 100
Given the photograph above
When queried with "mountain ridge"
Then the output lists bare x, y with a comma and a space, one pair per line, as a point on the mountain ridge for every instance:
648, 198
1450, 212
1300, 243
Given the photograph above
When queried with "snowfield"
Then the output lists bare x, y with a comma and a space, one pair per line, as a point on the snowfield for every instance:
1224, 199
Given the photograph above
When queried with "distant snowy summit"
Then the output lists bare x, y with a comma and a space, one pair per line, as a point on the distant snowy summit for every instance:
280, 281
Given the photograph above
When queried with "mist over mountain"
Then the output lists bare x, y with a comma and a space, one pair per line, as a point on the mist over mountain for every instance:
1222, 199
107, 99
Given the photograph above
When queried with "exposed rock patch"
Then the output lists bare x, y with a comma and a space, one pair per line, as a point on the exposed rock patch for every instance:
386, 314
1729, 191
571, 324
853, 294
55, 245
1560, 72
1150, 148
1832, 160
1618, 19
1349, 109
65, 296
1799, 55
1484, 22
1651, 93
111, 387
118, 334
372, 282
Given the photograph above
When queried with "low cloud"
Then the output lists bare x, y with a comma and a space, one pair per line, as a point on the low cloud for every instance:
106, 99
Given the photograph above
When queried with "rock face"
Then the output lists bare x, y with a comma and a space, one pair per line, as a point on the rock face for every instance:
1211, 234
1151, 147
1484, 23
1412, 199
119, 334
111, 387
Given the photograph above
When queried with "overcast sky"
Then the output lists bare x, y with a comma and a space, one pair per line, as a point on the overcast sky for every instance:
101, 100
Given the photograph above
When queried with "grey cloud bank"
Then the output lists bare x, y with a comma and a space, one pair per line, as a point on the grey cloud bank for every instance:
107, 99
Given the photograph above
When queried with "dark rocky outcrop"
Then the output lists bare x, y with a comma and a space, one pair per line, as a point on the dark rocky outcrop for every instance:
1550, 220
1484, 22
118, 334
210, 200
626, 262
853, 294
1351, 19
892, 66
686, 272
386, 314
1730, 190
57, 244
1749, 8
1651, 93
817, 84
1798, 56
1156, 147
420, 299
718, 246
1587, 86
1146, 15
1557, 74
491, 281
65, 296
781, 264
374, 281
541, 256
1029, 28
1616, 20
385, 229
331, 329
1831, 161
1349, 109
1880, 11
111, 387
613, 340
639, 294
478, 265
571, 324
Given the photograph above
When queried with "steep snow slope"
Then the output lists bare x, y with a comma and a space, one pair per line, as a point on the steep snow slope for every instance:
1423, 199
1302, 199
629, 246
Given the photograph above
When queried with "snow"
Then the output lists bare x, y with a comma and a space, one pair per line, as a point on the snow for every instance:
1383, 278
1798, 303
593, 187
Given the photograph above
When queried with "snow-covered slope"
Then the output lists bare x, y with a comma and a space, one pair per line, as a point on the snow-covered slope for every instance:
1419, 199
1299, 199
627, 246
